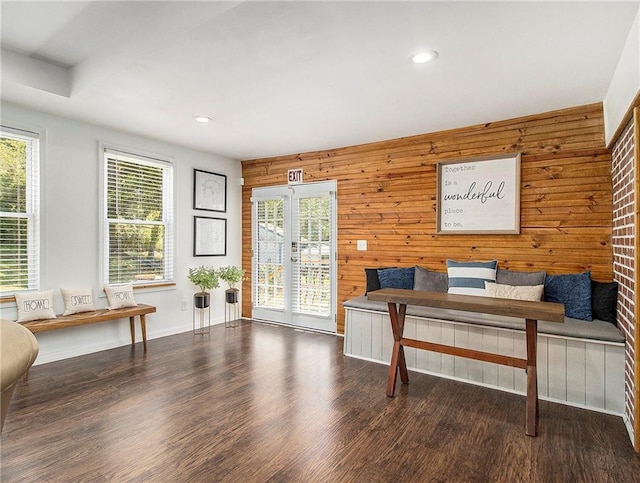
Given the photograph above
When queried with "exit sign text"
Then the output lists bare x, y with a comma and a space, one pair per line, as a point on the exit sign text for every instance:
295, 176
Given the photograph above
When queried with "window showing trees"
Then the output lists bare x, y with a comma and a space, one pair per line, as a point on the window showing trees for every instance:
138, 219
313, 273
269, 254
19, 210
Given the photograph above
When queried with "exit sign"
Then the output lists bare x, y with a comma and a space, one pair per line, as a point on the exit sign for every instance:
295, 176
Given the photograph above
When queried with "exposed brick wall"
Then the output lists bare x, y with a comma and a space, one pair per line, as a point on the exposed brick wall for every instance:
624, 238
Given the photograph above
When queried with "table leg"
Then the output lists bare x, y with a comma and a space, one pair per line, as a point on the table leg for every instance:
132, 327
531, 425
143, 326
398, 362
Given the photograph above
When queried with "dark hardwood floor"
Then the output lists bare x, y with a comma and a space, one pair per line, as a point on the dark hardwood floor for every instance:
266, 403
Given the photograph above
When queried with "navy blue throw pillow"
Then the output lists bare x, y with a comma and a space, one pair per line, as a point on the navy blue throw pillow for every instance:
572, 290
397, 278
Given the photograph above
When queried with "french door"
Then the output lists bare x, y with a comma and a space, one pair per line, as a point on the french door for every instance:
294, 255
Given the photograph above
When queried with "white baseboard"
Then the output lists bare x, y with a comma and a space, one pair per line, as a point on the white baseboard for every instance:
490, 386
49, 354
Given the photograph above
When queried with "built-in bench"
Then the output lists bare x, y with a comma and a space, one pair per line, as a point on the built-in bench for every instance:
95, 316
579, 363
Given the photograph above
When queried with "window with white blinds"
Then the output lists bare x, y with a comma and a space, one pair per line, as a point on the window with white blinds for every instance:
19, 210
138, 227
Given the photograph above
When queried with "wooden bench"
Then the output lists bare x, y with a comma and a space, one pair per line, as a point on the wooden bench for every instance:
101, 315
398, 299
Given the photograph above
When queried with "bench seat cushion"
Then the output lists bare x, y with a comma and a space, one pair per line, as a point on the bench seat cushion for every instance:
580, 329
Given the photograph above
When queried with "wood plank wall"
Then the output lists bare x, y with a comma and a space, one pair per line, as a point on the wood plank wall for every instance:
387, 196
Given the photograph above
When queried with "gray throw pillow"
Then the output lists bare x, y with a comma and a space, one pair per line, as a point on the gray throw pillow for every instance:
430, 280
512, 277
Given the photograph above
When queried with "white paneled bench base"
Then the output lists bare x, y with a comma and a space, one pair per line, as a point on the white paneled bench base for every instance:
579, 363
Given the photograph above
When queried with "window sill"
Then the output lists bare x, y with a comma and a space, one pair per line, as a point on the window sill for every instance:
9, 299
151, 286
141, 288
146, 288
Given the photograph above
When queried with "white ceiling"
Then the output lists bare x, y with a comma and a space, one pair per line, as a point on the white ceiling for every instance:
288, 77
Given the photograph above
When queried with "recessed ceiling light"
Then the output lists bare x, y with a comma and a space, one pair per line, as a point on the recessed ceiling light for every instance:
202, 119
424, 57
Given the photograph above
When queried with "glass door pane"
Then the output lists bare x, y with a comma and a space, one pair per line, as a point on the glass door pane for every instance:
269, 255
312, 265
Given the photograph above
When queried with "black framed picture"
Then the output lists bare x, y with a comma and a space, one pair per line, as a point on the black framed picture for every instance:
209, 236
209, 191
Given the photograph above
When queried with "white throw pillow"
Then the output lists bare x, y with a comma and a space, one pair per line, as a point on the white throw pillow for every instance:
120, 296
35, 306
77, 300
514, 292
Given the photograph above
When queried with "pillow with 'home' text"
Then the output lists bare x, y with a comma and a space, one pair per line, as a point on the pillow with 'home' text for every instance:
120, 296
35, 305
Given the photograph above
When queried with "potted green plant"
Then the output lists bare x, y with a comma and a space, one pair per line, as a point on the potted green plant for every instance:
206, 278
232, 275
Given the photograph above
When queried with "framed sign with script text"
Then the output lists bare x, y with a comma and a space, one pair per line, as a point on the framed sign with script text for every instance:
479, 195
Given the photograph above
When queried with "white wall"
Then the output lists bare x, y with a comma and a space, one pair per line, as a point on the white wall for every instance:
625, 83
71, 238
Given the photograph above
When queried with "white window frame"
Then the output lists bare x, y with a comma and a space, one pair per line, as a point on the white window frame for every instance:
167, 164
32, 208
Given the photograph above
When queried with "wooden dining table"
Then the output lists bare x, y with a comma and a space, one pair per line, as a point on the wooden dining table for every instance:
530, 311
